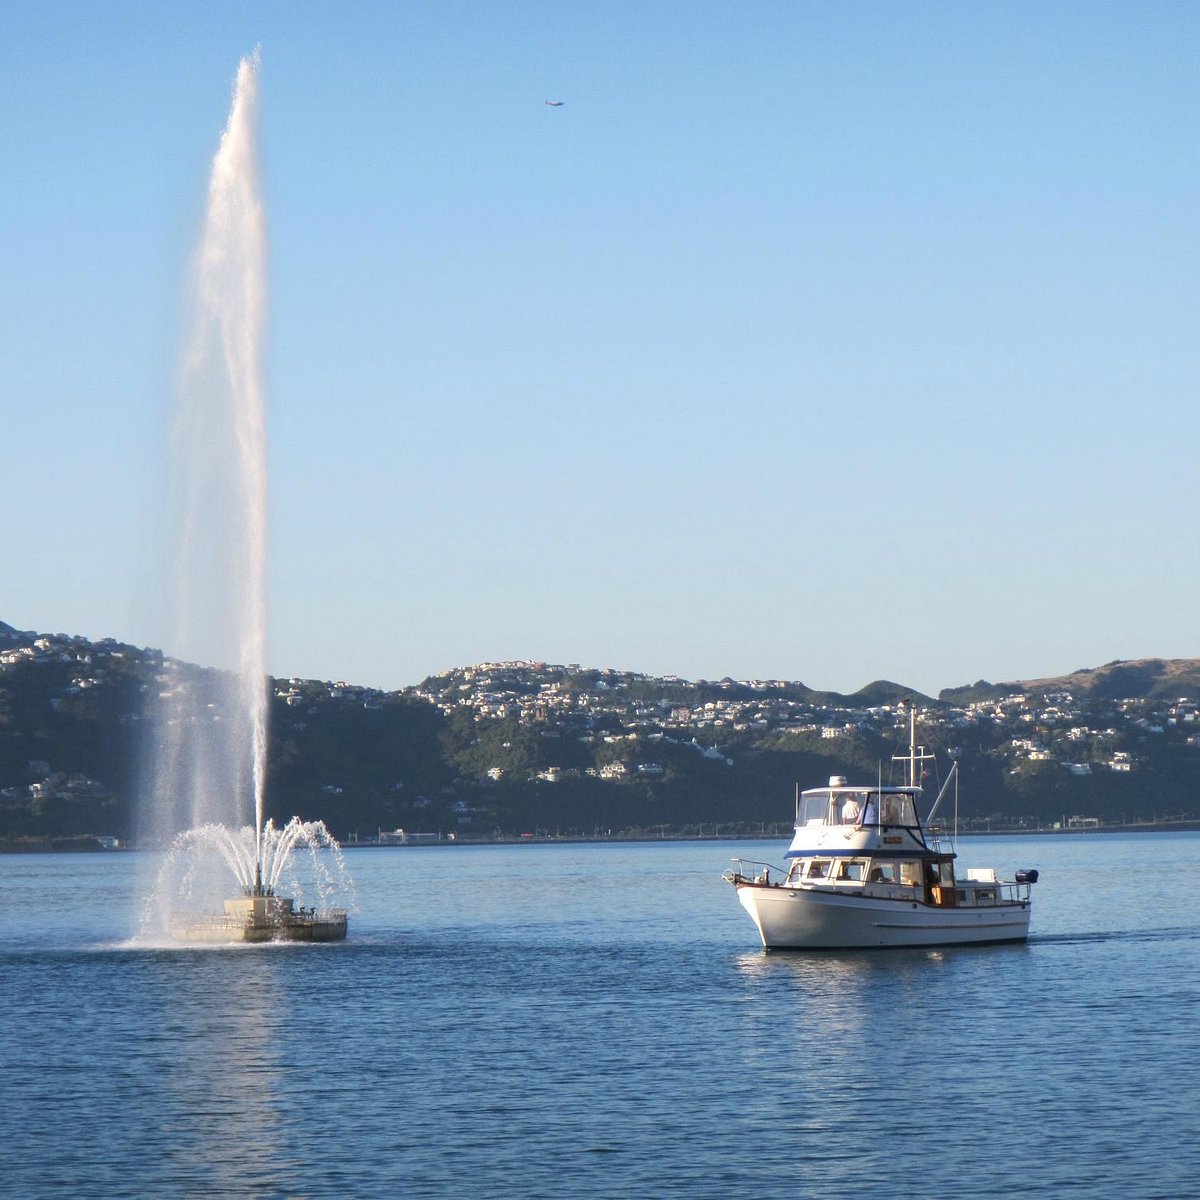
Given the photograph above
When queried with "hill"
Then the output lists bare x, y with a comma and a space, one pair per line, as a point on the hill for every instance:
1142, 678
521, 747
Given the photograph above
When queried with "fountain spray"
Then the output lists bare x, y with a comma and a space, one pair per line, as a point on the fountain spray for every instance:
214, 741
211, 743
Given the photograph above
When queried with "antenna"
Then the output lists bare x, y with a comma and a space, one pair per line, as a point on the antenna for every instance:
915, 753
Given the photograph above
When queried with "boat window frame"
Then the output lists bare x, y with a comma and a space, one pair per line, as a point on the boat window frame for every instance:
889, 871
891, 809
878, 808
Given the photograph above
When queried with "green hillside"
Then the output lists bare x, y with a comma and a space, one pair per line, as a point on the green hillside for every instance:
532, 748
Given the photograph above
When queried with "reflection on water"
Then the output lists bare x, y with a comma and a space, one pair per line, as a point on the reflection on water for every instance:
225, 1121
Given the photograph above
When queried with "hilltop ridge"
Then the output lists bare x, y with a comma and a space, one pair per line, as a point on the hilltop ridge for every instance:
1143, 678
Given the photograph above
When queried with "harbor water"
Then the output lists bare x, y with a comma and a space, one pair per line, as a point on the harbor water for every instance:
599, 1020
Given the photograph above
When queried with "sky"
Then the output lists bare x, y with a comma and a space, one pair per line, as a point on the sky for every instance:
808, 341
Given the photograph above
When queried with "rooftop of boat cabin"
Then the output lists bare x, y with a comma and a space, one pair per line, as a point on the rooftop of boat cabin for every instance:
838, 786
842, 789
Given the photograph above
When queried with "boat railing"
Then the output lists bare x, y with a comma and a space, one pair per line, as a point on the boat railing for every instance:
1020, 888
995, 890
939, 839
743, 872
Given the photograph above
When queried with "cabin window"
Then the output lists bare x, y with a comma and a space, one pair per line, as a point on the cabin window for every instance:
831, 806
818, 869
910, 872
889, 808
882, 872
851, 869
816, 808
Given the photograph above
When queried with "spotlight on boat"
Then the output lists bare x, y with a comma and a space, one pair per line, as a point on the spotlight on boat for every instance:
1027, 876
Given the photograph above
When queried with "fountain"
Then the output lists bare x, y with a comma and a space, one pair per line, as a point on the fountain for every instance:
210, 754
258, 860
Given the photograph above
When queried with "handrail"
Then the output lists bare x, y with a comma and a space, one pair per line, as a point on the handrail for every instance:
741, 876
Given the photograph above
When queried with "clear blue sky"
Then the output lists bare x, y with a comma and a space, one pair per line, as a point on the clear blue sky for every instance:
826, 342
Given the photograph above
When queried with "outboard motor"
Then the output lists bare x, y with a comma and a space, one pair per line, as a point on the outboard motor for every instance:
1027, 876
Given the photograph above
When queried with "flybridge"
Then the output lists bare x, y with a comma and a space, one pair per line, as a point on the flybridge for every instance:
839, 804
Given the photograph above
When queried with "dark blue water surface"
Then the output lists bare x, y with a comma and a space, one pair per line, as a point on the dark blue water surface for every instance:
550, 1021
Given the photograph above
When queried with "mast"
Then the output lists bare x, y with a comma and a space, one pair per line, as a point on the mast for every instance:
916, 754
912, 745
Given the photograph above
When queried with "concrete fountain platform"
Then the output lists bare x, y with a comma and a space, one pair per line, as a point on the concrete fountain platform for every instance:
263, 918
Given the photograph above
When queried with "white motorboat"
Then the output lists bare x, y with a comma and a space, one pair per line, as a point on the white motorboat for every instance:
863, 872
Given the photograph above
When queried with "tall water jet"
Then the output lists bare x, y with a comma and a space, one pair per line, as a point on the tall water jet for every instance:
211, 752
210, 756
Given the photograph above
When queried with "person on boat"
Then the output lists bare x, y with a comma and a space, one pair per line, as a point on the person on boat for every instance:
849, 811
872, 814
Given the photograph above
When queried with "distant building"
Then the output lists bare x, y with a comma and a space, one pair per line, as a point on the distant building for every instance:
401, 837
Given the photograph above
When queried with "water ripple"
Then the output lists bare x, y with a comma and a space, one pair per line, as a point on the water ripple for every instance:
432, 1057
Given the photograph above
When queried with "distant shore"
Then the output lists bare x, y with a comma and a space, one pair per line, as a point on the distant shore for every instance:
88, 844
669, 836
85, 844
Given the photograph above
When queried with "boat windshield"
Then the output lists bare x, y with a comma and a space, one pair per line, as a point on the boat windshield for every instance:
857, 806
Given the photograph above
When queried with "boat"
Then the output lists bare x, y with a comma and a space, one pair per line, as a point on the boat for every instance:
863, 872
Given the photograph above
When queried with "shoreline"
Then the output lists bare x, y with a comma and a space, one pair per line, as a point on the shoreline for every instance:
583, 840
89, 844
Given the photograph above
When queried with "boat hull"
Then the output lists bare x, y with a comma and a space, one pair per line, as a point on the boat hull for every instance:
811, 919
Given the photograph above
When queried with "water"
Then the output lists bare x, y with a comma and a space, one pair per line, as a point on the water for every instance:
544, 1021
209, 754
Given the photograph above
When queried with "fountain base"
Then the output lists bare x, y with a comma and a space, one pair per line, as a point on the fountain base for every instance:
261, 918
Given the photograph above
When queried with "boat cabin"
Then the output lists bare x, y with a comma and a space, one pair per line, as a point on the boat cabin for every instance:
926, 878
869, 841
